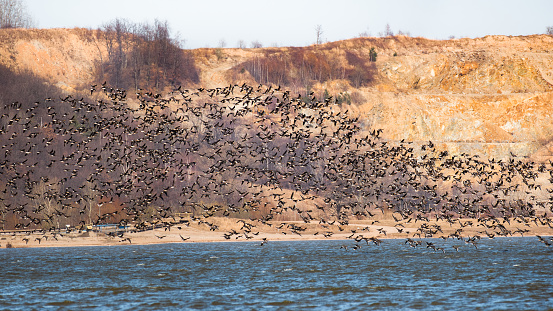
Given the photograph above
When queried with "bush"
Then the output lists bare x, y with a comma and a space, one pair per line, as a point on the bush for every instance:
373, 55
357, 98
343, 98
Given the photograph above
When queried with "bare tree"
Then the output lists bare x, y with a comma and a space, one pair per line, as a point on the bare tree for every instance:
13, 14
143, 56
549, 30
90, 196
388, 31
256, 44
222, 43
46, 201
403, 33
319, 34
364, 34
241, 44
117, 46
3, 208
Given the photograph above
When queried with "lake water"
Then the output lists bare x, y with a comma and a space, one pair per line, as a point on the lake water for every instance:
501, 274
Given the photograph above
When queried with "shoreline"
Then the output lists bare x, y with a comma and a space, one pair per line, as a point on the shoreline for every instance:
78, 245
196, 234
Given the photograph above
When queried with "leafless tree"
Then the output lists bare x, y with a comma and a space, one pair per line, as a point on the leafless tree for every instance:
319, 34
388, 31
256, 44
3, 209
549, 30
117, 46
222, 43
241, 44
90, 196
13, 14
403, 33
144, 56
45, 197
364, 34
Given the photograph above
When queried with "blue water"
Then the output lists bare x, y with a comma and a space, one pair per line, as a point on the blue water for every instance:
501, 274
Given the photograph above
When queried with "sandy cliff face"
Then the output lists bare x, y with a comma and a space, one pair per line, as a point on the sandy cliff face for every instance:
491, 95
63, 57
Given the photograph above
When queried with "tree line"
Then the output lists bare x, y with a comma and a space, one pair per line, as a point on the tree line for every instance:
301, 68
13, 14
141, 55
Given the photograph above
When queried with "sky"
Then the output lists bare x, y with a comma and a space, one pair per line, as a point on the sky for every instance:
212, 23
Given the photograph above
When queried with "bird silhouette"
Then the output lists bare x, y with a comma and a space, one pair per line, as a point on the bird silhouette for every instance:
183, 238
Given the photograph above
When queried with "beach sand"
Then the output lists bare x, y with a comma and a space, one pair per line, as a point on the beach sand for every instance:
199, 233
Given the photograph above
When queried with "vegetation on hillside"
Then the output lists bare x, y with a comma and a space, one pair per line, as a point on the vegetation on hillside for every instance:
143, 56
301, 68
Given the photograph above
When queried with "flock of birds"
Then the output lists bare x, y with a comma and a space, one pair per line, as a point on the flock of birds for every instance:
252, 153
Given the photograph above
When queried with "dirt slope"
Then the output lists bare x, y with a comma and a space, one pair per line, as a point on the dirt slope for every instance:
64, 57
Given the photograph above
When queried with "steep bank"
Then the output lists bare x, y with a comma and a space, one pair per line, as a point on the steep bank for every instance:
62, 57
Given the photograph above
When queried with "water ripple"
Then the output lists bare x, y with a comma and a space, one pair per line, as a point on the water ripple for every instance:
500, 274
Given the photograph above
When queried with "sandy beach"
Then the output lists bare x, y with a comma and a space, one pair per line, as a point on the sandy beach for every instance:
232, 230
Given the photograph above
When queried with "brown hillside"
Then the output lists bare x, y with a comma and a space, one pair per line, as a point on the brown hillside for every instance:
491, 95
64, 57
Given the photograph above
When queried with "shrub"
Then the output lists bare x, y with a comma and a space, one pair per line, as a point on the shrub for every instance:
343, 98
357, 98
373, 55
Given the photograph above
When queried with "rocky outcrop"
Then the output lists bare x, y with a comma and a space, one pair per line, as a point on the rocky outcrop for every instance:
491, 96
